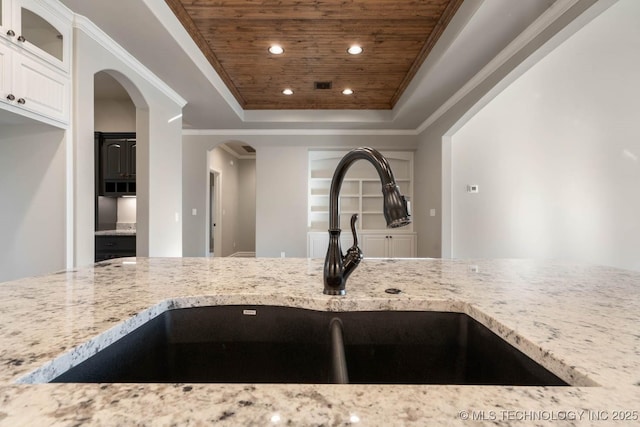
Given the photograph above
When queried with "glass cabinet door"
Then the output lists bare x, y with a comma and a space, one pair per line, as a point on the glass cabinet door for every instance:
4, 15
40, 33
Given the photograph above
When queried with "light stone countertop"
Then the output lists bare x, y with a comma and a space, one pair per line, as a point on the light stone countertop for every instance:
581, 322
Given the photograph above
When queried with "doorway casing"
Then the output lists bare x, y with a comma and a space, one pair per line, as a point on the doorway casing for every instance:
214, 212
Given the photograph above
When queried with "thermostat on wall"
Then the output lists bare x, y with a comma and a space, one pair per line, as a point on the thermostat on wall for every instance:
473, 188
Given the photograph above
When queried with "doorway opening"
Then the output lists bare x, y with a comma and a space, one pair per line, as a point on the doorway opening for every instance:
115, 169
214, 214
231, 201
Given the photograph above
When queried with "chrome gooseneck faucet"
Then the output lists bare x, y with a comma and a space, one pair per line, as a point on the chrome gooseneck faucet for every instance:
338, 267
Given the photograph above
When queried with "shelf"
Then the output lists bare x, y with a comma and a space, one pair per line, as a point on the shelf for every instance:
360, 192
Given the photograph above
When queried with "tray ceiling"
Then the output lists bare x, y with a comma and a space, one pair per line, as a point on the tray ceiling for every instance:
234, 35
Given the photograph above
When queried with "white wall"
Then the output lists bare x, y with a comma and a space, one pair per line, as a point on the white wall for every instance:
126, 210
159, 174
427, 192
247, 205
33, 200
281, 201
115, 115
281, 185
557, 155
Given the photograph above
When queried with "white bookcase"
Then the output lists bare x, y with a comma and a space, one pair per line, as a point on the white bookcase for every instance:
361, 193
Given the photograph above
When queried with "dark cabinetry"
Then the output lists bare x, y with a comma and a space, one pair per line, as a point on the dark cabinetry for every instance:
116, 163
108, 247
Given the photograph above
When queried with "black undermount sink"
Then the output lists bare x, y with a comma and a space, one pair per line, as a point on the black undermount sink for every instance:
269, 344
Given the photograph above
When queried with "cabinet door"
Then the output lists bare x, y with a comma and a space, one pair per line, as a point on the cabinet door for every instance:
117, 163
42, 33
41, 89
402, 246
109, 247
131, 159
375, 245
113, 159
5, 14
5, 72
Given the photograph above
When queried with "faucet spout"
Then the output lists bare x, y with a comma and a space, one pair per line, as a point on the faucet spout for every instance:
338, 267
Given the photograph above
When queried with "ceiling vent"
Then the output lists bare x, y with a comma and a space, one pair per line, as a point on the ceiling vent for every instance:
322, 85
249, 149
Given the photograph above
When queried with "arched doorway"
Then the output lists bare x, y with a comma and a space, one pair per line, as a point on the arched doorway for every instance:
231, 200
115, 132
158, 153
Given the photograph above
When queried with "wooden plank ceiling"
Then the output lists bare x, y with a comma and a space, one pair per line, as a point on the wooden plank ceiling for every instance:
396, 35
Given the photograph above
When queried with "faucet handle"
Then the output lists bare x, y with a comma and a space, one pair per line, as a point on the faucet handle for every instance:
354, 219
354, 254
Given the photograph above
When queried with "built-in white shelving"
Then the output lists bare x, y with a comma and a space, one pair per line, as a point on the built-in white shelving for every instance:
361, 194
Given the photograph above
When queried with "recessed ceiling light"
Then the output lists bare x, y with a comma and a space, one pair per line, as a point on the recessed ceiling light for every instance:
347, 92
276, 49
287, 91
355, 49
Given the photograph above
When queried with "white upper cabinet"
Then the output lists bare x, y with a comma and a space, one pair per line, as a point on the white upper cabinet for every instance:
4, 13
39, 34
38, 27
35, 59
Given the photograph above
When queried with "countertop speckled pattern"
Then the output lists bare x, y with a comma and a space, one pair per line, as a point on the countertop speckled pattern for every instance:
581, 322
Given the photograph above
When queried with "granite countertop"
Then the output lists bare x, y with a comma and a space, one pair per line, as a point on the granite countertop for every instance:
581, 322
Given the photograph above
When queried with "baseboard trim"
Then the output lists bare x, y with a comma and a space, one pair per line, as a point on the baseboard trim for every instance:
243, 255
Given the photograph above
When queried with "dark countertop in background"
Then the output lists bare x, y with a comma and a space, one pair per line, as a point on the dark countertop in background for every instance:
116, 233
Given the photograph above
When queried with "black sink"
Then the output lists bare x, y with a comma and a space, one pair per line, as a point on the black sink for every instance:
228, 344
425, 347
270, 344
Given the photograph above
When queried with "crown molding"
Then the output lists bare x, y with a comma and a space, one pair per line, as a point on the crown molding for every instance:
57, 8
92, 30
298, 132
545, 22
169, 20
